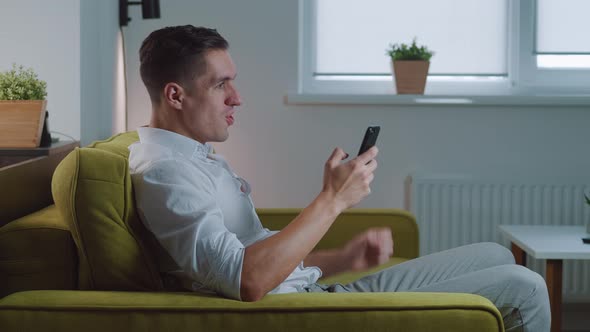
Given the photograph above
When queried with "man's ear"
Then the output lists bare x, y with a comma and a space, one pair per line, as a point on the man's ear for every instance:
174, 95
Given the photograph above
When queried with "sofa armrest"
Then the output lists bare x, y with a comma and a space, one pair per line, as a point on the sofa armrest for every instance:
37, 252
139, 311
26, 184
353, 221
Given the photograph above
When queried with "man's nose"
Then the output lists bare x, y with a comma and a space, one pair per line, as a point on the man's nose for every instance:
234, 99
238, 98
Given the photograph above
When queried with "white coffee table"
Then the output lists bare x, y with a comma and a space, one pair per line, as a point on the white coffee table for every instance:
553, 243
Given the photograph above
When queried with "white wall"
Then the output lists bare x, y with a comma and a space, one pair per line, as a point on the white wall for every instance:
99, 45
45, 35
72, 45
281, 148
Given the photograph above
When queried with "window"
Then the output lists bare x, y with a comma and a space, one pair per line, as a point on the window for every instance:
556, 19
484, 47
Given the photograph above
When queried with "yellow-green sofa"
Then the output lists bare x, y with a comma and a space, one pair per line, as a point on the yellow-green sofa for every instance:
87, 264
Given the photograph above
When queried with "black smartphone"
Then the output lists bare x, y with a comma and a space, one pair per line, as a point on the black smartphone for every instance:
370, 138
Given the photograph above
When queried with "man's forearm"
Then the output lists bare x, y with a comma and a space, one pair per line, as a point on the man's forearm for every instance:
330, 261
268, 262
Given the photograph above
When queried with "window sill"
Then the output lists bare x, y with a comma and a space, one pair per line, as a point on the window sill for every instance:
438, 100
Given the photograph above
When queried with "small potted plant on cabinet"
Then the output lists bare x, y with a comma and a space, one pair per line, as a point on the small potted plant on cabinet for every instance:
22, 108
410, 67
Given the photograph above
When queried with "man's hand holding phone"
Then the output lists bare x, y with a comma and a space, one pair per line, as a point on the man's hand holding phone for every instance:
349, 182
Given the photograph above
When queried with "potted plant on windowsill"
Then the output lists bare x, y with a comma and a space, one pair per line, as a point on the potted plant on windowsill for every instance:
22, 108
410, 67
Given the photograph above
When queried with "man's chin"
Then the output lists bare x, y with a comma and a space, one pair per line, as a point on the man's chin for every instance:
221, 138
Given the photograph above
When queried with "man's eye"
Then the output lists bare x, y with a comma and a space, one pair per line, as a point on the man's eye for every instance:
221, 85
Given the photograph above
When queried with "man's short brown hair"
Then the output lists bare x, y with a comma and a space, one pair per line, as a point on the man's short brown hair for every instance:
176, 54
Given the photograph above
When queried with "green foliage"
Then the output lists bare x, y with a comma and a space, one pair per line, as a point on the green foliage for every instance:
405, 52
21, 84
587, 199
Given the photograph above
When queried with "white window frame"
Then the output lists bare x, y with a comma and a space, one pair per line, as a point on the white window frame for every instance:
549, 80
523, 77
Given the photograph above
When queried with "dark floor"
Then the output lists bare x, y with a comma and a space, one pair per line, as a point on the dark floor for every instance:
576, 317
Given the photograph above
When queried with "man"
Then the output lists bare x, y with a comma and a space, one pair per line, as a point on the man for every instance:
202, 214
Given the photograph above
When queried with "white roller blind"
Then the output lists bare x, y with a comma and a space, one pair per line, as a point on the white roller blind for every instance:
563, 26
469, 37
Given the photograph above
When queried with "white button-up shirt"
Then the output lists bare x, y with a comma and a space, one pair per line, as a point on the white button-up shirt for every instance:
200, 211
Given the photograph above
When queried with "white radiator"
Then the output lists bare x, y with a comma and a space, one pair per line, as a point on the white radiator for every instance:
456, 210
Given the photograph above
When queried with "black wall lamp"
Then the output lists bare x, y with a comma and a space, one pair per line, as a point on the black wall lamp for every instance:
149, 9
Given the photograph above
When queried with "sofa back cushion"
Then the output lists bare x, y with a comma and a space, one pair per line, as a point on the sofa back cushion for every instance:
92, 189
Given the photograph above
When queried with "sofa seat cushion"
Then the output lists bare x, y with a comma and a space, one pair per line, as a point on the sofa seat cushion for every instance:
37, 252
135, 311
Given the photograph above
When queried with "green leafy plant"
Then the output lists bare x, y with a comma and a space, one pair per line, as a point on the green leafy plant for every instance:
412, 52
21, 84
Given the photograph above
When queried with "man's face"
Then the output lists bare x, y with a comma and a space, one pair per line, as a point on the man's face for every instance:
208, 108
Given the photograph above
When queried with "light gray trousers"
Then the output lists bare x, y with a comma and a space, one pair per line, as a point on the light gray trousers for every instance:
485, 269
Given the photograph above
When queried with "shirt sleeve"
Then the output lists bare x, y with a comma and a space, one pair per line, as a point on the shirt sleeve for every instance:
178, 205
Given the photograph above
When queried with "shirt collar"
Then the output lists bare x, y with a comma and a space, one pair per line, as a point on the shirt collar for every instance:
188, 147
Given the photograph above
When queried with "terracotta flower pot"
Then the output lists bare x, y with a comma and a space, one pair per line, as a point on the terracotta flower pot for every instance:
21, 123
410, 76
